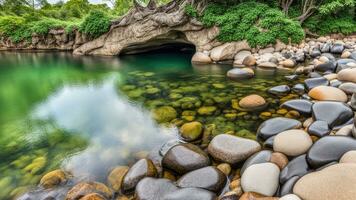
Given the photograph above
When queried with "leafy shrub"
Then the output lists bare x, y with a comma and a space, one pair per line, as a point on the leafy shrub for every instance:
95, 24
324, 25
43, 26
191, 11
259, 24
14, 28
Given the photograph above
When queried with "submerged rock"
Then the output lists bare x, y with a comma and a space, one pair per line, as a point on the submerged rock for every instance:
252, 102
279, 90
116, 177
238, 73
232, 149
184, 158
334, 182
164, 114
82, 189
141, 169
53, 178
191, 131
209, 178
301, 105
276, 125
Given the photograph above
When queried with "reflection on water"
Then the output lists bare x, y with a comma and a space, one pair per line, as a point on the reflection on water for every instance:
115, 127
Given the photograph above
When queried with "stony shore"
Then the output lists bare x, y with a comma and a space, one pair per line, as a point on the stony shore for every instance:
311, 159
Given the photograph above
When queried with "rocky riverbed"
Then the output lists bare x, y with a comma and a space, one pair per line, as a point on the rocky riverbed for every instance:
304, 149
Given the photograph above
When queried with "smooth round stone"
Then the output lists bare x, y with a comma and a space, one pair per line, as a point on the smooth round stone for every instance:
190, 193
325, 67
315, 53
348, 157
348, 88
319, 129
287, 187
267, 65
334, 182
345, 130
183, 158
261, 178
353, 101
301, 142
259, 157
314, 75
279, 90
252, 101
291, 77
85, 188
240, 73
311, 83
335, 83
269, 142
327, 93
209, 178
53, 179
288, 63
279, 159
290, 197
249, 60
337, 48
300, 105
325, 47
296, 167
334, 113
298, 88
141, 169
191, 131
255, 196
329, 149
330, 56
231, 149
116, 177
347, 75
154, 189
201, 58
276, 125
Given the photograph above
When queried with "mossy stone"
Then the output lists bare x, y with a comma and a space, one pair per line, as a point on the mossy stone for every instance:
207, 110
164, 114
191, 131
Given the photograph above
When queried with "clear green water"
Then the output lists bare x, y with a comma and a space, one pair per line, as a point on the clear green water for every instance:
87, 114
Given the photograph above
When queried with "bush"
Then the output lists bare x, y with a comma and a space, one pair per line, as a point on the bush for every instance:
259, 24
324, 25
14, 28
95, 24
191, 11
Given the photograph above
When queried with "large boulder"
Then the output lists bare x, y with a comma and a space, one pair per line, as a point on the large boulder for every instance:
334, 182
227, 51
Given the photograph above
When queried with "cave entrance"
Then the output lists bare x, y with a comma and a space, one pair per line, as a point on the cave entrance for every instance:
172, 42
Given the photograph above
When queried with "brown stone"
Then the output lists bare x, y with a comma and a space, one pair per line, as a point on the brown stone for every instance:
249, 61
85, 188
279, 159
93, 196
53, 179
201, 58
225, 168
235, 184
255, 196
327, 93
252, 101
116, 177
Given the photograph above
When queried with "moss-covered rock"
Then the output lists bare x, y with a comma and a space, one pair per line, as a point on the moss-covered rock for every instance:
53, 179
191, 131
207, 110
164, 114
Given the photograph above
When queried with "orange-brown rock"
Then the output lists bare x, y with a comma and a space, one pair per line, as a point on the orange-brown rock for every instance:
256, 196
86, 188
53, 178
116, 177
279, 159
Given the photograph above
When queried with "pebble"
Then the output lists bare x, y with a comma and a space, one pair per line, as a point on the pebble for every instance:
301, 142
301, 105
353, 101
329, 149
252, 102
296, 167
298, 88
326, 67
183, 158
259, 157
191, 131
311, 83
279, 90
327, 93
53, 178
240, 73
334, 113
279, 159
333, 182
337, 48
141, 169
209, 178
154, 189
347, 75
290, 197
276, 125
287, 187
116, 177
85, 188
232, 149
189, 193
261, 178
345, 130
348, 157
348, 88
319, 129
224, 168
255, 196
249, 60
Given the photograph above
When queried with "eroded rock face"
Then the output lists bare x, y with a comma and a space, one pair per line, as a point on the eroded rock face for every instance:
151, 26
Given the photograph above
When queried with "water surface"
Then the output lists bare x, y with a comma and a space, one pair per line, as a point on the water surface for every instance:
88, 114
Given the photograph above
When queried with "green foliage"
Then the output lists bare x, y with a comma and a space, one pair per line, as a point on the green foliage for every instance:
14, 28
259, 24
191, 11
324, 25
333, 6
95, 24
